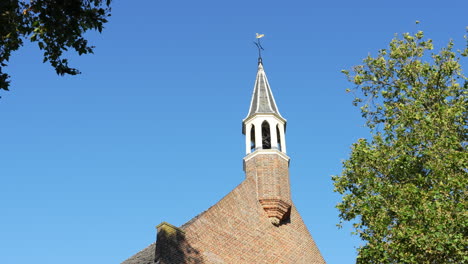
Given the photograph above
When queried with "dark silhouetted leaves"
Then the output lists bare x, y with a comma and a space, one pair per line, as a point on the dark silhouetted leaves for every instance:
55, 25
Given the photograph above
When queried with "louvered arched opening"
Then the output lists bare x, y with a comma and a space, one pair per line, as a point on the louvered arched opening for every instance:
252, 139
278, 137
266, 135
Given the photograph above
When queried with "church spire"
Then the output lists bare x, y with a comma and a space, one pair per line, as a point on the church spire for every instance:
262, 99
265, 145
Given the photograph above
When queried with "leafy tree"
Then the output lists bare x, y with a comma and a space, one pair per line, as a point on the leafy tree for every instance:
405, 189
55, 25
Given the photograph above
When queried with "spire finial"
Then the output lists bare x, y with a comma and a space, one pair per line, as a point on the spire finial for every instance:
259, 46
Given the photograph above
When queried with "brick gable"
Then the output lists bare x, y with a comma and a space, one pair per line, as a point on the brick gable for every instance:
236, 230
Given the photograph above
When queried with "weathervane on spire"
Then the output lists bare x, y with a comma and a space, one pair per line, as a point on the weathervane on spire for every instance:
259, 46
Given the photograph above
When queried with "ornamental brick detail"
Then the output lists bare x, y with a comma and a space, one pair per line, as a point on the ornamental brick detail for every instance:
276, 209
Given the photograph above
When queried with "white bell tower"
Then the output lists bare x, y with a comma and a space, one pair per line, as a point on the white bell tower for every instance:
264, 127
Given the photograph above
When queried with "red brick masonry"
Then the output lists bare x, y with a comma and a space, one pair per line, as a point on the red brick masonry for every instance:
235, 230
271, 171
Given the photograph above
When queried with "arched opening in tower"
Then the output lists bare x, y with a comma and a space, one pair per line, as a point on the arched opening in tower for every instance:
278, 137
266, 136
252, 139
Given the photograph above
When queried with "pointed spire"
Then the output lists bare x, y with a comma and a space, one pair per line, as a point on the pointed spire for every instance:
262, 99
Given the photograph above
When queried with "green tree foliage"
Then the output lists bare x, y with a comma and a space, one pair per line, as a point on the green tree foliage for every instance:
405, 189
55, 25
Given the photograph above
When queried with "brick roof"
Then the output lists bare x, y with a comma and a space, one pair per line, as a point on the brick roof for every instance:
234, 230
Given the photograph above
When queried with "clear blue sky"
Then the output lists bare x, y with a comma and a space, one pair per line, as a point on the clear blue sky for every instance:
151, 131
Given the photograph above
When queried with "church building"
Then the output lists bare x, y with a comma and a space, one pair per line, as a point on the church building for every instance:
256, 222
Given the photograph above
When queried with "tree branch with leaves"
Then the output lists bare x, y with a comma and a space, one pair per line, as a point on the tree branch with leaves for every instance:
56, 26
406, 189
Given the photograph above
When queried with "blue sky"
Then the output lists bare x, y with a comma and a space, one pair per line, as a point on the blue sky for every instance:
151, 131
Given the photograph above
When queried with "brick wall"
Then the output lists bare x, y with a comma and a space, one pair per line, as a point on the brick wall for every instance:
271, 171
238, 229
